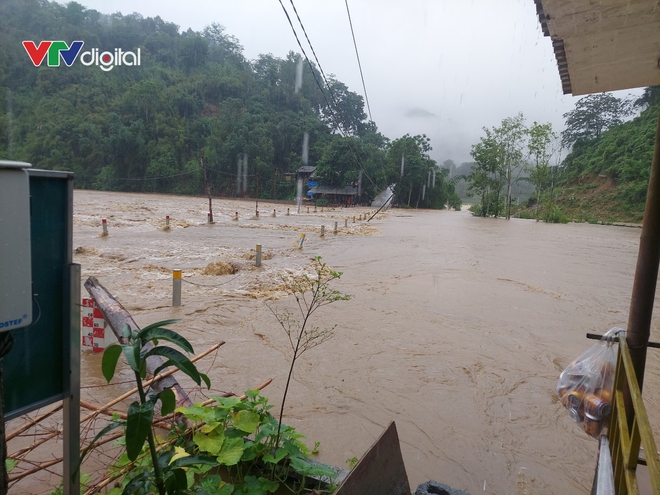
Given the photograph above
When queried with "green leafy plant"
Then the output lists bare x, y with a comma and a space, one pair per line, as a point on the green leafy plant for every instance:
165, 472
352, 462
250, 457
311, 293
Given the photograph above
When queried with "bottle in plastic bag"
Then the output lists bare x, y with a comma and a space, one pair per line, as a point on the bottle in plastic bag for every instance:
585, 386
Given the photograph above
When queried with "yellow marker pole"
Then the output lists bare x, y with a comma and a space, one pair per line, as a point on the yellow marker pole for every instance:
257, 258
176, 287
301, 241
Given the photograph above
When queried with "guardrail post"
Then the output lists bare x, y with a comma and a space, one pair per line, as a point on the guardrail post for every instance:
176, 287
322, 230
257, 258
335, 230
105, 226
301, 241
167, 221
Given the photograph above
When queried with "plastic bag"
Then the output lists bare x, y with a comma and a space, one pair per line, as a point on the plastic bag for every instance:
585, 386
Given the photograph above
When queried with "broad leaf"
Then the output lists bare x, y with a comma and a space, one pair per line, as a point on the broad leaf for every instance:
176, 481
109, 361
213, 485
158, 324
140, 484
178, 360
126, 332
194, 460
163, 366
274, 459
231, 452
268, 485
167, 401
227, 402
209, 443
301, 466
209, 427
206, 380
151, 333
246, 421
132, 355
251, 393
179, 453
138, 425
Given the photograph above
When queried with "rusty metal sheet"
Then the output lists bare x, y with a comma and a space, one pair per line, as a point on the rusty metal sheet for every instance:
380, 471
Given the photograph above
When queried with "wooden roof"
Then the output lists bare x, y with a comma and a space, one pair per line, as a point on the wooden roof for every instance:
603, 45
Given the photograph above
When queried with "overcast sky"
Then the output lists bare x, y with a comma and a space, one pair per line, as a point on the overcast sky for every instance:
445, 68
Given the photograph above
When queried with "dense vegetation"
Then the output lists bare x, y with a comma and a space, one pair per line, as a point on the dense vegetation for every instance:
194, 97
603, 178
621, 157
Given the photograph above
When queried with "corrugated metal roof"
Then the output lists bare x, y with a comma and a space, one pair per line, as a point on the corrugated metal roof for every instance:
306, 169
603, 45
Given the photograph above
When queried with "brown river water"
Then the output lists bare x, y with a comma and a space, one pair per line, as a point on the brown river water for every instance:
458, 328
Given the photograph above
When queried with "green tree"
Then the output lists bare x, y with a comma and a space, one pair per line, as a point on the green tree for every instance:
592, 115
540, 151
487, 176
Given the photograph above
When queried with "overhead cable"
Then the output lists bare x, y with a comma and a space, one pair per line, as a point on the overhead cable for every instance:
330, 107
357, 54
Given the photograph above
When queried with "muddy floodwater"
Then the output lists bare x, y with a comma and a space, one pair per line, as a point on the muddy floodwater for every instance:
457, 330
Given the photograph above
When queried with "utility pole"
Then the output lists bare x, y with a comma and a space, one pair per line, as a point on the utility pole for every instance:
207, 187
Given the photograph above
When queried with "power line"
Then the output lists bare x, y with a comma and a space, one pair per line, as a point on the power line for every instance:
306, 57
358, 60
332, 110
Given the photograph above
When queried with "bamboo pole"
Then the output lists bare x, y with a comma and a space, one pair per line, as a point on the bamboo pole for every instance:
117, 436
31, 423
18, 454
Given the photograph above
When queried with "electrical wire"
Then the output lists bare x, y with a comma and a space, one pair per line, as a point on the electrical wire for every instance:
332, 96
357, 54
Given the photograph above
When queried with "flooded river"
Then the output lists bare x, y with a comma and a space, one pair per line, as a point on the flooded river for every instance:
458, 328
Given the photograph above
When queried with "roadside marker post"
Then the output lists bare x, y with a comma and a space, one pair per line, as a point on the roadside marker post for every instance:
176, 287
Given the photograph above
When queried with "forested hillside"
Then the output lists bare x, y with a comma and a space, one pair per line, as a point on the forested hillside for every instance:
194, 96
606, 175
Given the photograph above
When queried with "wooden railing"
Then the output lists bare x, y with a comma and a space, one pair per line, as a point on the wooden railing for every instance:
628, 429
